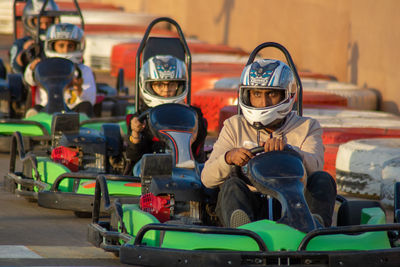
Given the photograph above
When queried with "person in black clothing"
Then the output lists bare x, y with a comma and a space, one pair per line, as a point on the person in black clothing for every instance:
162, 79
24, 50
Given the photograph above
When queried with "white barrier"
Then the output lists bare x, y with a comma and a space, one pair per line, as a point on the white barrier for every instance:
369, 166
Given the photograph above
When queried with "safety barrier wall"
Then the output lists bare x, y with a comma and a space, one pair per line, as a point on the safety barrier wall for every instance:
353, 40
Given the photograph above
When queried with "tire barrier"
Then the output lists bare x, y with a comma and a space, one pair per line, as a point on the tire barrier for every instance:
344, 118
357, 98
212, 101
99, 49
205, 75
112, 17
218, 61
341, 126
369, 167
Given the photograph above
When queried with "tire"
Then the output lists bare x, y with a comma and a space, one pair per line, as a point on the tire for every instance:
390, 175
360, 165
82, 214
342, 118
3, 70
349, 212
112, 133
17, 88
211, 102
357, 98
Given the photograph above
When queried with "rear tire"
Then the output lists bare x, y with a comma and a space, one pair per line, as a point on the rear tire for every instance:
350, 211
82, 214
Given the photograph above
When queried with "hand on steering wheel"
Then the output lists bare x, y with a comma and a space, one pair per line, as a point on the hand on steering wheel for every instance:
136, 125
274, 144
238, 156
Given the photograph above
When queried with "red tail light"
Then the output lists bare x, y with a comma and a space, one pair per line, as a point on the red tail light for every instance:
158, 206
66, 156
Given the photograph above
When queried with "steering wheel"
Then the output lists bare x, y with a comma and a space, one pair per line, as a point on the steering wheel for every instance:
29, 54
144, 116
239, 170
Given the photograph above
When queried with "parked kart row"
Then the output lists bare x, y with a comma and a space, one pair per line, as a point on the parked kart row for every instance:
165, 210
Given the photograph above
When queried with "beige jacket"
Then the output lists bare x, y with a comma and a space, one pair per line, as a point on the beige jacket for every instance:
304, 134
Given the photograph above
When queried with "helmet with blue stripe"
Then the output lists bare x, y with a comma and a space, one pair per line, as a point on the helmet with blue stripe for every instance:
162, 68
267, 74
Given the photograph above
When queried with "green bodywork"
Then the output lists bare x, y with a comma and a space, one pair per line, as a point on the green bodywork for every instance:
121, 188
134, 219
97, 125
32, 130
49, 171
277, 237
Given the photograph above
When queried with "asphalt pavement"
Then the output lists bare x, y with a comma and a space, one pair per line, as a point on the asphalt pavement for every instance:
34, 236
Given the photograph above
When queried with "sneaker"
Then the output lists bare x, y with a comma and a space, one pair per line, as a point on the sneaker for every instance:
238, 218
30, 112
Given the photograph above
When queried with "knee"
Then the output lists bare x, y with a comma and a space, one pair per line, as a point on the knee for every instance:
232, 184
321, 180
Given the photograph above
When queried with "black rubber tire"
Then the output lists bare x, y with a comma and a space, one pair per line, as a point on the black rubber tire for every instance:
82, 214
349, 212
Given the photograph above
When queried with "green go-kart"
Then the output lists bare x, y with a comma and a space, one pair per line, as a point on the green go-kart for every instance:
112, 104
179, 227
62, 174
362, 236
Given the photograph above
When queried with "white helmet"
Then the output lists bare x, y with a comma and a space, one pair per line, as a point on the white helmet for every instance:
69, 32
266, 74
31, 11
162, 68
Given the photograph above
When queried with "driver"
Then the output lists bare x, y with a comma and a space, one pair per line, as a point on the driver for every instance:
162, 79
23, 51
267, 93
67, 41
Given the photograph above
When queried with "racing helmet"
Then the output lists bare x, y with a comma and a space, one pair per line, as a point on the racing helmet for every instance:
31, 11
69, 32
162, 68
272, 75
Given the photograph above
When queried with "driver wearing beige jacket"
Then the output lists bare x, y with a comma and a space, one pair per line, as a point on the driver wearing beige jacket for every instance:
266, 97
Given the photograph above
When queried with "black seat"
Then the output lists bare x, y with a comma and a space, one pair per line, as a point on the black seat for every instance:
163, 46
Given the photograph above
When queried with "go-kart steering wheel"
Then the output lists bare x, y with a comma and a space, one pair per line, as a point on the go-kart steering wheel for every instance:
256, 150
144, 116
239, 170
29, 54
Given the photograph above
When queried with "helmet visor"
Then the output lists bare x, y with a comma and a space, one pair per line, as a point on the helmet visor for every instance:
166, 88
262, 97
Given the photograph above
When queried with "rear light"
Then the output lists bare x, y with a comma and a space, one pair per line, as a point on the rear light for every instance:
158, 206
69, 157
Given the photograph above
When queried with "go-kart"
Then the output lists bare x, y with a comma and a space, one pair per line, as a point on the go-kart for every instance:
61, 174
16, 97
361, 238
36, 129
151, 233
175, 126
